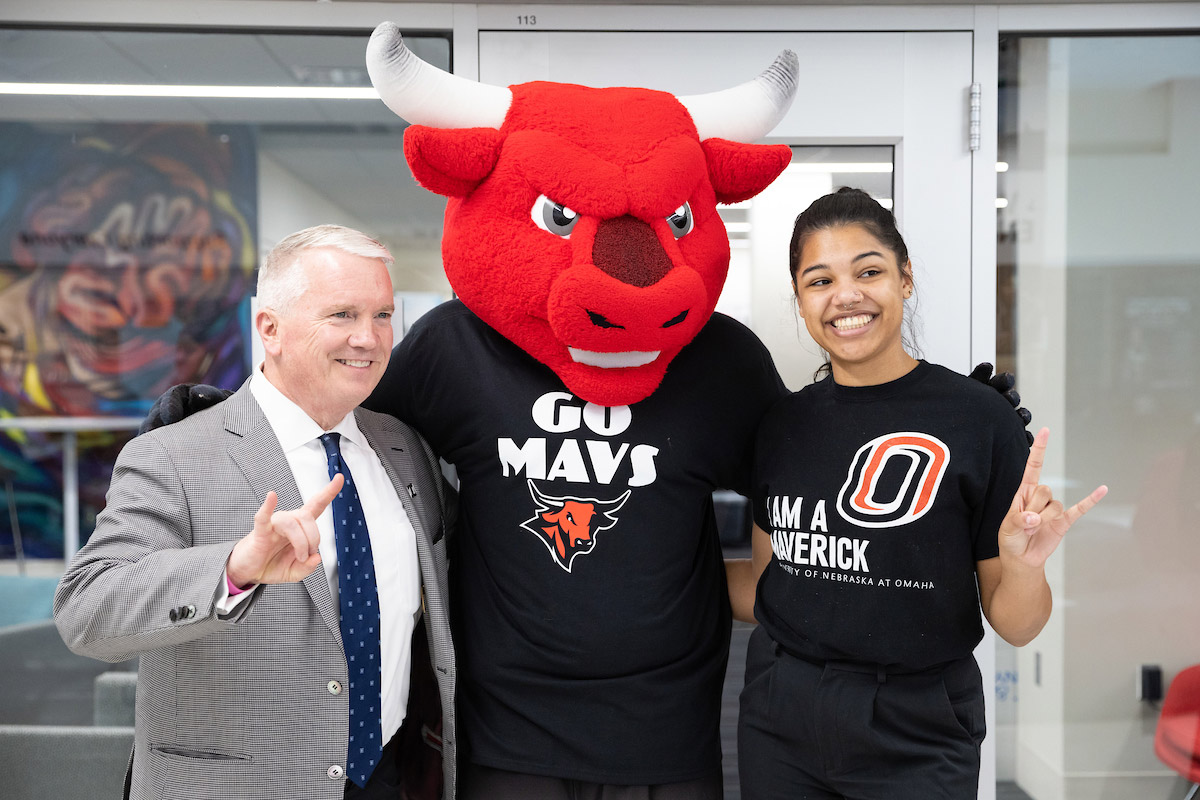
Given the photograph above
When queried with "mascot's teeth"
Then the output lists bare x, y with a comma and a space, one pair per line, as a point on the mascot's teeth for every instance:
633, 358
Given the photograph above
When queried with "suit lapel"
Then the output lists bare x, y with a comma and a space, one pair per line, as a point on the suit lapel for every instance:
396, 455
257, 453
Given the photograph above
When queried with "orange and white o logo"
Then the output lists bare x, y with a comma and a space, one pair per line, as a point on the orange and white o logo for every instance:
893, 480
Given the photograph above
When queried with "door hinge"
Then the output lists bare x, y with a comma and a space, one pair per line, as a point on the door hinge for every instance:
974, 117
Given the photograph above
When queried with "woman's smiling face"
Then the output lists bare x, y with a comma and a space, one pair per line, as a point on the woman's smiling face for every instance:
851, 293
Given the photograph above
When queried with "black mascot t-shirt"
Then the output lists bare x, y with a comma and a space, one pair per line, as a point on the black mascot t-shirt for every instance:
592, 621
879, 500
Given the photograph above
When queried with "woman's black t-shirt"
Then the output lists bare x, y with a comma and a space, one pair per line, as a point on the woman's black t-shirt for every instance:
879, 500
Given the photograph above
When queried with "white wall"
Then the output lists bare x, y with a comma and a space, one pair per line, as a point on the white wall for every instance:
287, 204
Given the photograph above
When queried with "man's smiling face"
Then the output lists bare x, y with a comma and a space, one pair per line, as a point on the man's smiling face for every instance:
328, 349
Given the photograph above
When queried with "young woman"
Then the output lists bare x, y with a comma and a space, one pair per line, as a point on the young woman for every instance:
892, 499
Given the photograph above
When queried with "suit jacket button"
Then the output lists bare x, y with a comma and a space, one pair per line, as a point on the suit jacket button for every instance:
190, 611
174, 615
334, 687
335, 772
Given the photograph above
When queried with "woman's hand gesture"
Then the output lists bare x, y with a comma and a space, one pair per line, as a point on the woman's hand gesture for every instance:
1036, 522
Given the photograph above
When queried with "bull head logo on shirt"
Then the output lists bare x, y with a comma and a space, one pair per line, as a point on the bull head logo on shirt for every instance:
568, 525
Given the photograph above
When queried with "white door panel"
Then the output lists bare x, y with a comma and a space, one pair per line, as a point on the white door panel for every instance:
833, 66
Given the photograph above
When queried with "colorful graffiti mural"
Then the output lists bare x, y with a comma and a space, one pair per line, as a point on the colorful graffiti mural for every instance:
127, 253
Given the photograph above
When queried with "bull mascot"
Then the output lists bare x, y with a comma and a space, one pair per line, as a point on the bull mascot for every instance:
591, 401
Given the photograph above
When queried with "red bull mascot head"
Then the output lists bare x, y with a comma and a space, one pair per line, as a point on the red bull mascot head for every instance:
582, 222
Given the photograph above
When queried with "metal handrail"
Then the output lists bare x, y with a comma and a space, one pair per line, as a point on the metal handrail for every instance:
70, 427
73, 424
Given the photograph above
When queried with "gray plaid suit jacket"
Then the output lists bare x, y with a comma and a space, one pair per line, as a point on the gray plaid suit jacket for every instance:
238, 707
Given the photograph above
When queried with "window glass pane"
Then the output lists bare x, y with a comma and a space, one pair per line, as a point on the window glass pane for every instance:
131, 226
758, 290
1099, 290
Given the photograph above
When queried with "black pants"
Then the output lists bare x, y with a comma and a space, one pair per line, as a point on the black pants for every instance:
823, 732
485, 783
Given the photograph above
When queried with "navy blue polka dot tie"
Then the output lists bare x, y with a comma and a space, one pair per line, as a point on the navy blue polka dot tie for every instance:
359, 602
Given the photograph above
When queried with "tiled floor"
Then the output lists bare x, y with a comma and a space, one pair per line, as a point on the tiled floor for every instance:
1010, 791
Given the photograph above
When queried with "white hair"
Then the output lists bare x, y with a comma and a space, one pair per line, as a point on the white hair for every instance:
279, 282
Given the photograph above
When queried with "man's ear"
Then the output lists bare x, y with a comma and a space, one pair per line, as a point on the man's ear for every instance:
266, 322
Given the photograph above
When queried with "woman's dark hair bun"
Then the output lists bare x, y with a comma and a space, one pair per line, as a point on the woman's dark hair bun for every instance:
847, 206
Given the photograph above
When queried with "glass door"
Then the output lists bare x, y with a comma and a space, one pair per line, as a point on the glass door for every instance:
1099, 277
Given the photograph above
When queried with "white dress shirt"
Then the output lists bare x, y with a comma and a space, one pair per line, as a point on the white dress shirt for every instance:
393, 541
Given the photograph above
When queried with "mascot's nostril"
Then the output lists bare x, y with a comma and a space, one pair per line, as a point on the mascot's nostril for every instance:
600, 321
628, 249
675, 320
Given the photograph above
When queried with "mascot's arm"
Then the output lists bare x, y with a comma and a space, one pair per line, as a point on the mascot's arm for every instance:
742, 575
1003, 382
180, 402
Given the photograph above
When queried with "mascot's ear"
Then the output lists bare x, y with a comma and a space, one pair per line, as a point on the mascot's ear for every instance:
451, 161
740, 171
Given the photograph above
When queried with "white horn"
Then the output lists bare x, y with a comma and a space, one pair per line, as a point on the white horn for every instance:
422, 94
749, 111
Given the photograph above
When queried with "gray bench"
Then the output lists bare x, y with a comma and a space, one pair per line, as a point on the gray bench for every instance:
65, 762
114, 699
47, 683
66, 722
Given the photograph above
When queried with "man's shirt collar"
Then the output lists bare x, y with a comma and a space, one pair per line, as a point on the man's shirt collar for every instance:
293, 427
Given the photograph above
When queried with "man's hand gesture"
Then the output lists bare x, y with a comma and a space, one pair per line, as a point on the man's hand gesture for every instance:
282, 548
1036, 522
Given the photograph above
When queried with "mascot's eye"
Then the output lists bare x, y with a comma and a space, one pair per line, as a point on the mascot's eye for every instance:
681, 221
553, 217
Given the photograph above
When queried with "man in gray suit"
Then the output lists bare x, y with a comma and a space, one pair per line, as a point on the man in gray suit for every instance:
217, 561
